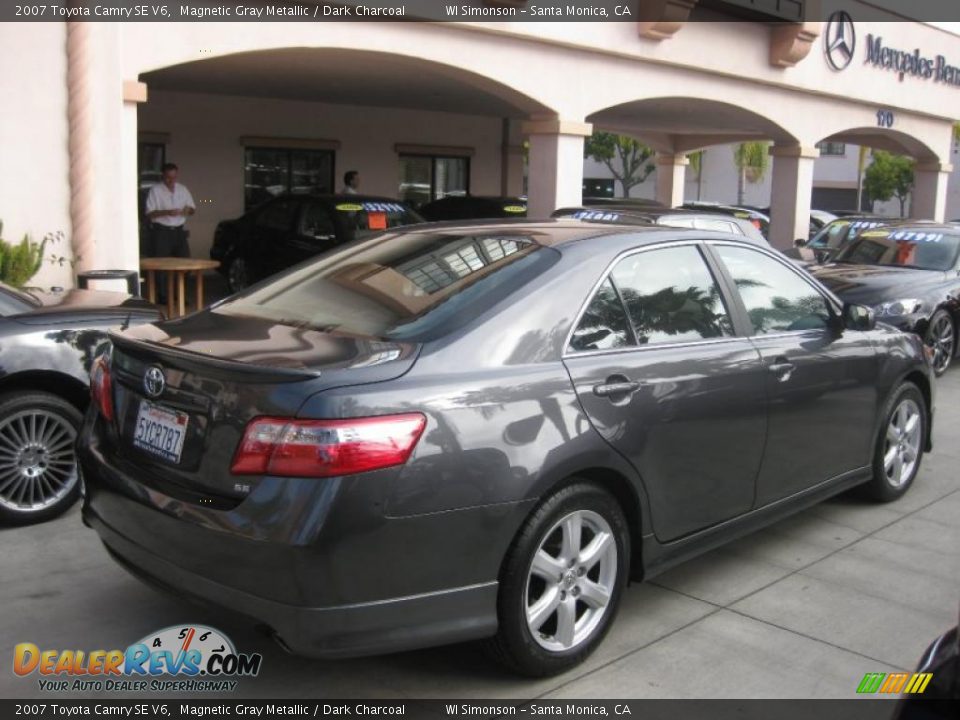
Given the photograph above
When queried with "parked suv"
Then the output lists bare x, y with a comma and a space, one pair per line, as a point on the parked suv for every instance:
292, 228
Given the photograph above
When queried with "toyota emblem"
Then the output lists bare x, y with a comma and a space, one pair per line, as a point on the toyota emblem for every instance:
154, 382
840, 40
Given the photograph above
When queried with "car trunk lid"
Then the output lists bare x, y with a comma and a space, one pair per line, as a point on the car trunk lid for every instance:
184, 391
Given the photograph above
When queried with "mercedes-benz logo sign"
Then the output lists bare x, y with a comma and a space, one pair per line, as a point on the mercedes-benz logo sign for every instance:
154, 382
840, 40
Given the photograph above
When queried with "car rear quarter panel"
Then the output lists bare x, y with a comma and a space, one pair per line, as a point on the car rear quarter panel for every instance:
503, 421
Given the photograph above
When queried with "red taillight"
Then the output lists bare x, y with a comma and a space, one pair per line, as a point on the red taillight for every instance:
325, 448
756, 223
101, 387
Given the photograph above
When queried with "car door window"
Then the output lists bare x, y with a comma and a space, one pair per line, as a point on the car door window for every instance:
603, 325
776, 298
316, 223
671, 296
278, 215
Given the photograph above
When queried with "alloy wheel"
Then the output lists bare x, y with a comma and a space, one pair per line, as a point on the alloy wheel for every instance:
571, 581
38, 465
940, 338
901, 450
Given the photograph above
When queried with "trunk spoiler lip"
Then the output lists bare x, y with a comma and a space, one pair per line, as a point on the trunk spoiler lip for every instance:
189, 357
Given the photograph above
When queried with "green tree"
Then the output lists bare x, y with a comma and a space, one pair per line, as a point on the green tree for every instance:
626, 158
752, 160
889, 176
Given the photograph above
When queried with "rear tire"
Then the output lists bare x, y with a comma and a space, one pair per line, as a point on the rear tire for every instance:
38, 463
899, 446
562, 581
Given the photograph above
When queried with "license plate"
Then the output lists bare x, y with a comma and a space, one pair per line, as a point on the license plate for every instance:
160, 431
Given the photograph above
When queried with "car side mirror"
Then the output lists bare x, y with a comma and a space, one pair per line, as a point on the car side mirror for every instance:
858, 317
800, 242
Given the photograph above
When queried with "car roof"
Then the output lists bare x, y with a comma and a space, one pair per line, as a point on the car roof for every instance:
650, 214
918, 226
558, 232
485, 198
336, 197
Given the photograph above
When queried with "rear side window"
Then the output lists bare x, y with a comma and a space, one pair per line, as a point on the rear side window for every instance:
278, 215
776, 298
671, 296
365, 216
316, 222
604, 323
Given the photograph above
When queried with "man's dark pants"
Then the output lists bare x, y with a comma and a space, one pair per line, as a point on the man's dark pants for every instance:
164, 241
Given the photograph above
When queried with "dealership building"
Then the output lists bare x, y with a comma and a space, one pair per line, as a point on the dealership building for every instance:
250, 109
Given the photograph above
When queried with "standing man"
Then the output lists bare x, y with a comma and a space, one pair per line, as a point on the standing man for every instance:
351, 183
169, 204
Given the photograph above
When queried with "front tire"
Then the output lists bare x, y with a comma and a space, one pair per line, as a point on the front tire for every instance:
38, 464
899, 444
941, 338
562, 581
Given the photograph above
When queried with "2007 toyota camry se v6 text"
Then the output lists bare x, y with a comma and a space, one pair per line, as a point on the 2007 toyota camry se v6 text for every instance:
484, 431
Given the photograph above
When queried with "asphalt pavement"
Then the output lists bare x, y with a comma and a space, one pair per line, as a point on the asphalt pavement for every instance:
802, 609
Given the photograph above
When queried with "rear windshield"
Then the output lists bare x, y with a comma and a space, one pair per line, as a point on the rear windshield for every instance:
412, 286
370, 215
923, 249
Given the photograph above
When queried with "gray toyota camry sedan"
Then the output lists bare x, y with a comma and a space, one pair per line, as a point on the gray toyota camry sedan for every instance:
457, 432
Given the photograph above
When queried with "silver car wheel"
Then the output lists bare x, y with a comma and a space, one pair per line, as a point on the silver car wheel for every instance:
38, 466
571, 581
940, 339
901, 450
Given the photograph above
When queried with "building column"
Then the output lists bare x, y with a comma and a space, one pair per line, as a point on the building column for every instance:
792, 187
556, 164
511, 159
671, 175
80, 119
128, 251
928, 200
102, 118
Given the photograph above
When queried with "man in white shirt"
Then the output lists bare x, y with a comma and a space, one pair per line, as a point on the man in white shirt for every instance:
351, 183
169, 204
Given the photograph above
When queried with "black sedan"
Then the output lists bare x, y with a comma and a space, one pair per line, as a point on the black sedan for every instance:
910, 276
292, 228
48, 342
473, 207
484, 431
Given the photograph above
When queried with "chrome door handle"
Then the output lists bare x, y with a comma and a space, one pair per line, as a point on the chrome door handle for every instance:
782, 368
612, 389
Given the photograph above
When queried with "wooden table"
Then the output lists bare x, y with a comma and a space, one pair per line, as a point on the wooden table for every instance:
176, 269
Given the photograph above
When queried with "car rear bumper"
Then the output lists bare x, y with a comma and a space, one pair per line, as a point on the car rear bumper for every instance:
353, 583
395, 624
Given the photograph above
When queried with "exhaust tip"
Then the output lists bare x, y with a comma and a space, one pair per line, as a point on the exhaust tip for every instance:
275, 636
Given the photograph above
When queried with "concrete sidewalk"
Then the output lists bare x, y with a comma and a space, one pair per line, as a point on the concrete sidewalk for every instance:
802, 609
